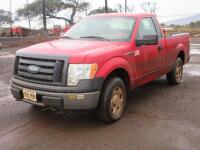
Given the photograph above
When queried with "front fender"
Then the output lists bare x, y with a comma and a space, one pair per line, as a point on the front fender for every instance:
113, 64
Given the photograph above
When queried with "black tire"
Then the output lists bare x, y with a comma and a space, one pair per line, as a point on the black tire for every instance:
175, 76
112, 101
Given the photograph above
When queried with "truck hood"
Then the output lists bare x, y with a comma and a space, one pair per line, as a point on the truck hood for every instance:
71, 48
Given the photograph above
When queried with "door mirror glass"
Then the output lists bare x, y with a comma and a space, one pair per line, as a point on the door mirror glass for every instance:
150, 39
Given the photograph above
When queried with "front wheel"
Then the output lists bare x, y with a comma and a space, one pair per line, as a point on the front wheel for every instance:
175, 76
113, 100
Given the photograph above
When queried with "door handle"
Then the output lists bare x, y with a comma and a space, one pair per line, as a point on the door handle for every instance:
160, 47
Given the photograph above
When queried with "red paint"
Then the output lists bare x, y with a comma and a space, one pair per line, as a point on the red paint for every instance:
57, 30
146, 64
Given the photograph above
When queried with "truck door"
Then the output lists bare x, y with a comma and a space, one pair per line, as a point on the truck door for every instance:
151, 57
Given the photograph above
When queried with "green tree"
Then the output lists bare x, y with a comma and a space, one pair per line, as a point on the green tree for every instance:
5, 17
121, 8
101, 10
195, 24
53, 7
149, 7
163, 25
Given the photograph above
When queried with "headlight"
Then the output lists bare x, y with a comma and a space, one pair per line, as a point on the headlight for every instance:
77, 72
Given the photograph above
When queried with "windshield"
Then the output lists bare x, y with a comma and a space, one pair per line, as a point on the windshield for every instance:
102, 28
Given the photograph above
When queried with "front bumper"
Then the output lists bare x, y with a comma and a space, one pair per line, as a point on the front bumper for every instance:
71, 98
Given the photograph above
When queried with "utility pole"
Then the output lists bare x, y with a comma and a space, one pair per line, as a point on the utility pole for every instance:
125, 6
106, 6
44, 17
10, 13
29, 21
11, 18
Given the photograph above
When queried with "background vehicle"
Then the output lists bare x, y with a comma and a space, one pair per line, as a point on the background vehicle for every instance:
57, 30
97, 61
19, 31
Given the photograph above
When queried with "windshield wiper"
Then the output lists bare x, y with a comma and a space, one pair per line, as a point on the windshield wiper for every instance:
94, 37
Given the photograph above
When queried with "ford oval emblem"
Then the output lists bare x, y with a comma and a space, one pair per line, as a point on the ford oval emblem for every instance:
33, 69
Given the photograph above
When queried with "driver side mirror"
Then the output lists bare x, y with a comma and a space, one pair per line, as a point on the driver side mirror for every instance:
150, 39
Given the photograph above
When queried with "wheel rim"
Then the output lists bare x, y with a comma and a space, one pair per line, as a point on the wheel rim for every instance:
117, 102
179, 71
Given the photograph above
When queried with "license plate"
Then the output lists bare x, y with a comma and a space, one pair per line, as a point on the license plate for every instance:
29, 95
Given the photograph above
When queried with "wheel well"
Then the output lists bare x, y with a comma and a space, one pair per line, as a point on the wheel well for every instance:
121, 73
182, 56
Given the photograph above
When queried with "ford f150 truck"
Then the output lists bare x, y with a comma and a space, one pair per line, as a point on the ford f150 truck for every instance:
96, 62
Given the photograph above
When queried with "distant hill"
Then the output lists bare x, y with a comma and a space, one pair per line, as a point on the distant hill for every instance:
185, 20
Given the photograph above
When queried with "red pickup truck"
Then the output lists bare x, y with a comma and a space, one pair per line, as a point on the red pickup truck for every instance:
96, 62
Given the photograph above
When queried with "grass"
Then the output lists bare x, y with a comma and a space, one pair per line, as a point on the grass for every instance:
186, 29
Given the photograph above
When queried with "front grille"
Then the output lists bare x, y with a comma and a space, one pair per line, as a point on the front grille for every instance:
50, 71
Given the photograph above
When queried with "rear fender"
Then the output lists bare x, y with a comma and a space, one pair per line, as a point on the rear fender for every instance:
179, 48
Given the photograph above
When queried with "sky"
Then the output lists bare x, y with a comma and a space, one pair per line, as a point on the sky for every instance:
166, 9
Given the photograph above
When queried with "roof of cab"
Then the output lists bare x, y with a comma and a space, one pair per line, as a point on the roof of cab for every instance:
125, 14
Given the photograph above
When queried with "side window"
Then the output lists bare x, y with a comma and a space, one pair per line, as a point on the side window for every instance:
158, 29
146, 27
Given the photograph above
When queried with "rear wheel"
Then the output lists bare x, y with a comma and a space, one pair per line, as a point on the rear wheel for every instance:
113, 100
175, 76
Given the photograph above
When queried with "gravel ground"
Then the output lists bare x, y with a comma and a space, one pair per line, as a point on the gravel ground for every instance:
158, 116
